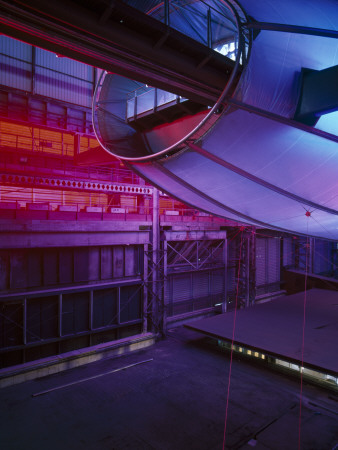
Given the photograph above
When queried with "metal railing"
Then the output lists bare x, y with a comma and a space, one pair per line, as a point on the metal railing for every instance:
145, 99
17, 163
53, 209
35, 144
237, 20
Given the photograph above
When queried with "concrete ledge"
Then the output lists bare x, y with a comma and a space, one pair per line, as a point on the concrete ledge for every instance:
31, 214
61, 215
268, 297
54, 364
93, 209
7, 205
114, 210
37, 207
181, 319
67, 208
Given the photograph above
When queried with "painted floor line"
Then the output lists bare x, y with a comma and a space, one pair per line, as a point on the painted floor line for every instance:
91, 378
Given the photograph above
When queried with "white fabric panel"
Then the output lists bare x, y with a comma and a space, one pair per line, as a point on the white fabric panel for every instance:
271, 79
176, 190
308, 13
294, 160
241, 195
249, 198
299, 162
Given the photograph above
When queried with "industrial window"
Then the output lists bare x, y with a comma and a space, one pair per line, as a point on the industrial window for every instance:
105, 307
42, 318
130, 303
11, 325
75, 313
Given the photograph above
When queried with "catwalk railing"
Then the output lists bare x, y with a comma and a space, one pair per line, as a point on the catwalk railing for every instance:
44, 210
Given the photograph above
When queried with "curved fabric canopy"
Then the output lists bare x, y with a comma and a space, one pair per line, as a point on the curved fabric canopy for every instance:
257, 164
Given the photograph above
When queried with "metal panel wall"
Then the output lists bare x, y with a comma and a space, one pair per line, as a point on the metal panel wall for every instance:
26, 268
196, 275
273, 260
63, 79
46, 73
16, 64
181, 287
267, 265
322, 257
36, 325
288, 252
217, 284
260, 262
200, 284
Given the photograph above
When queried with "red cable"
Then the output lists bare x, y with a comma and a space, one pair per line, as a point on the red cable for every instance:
232, 341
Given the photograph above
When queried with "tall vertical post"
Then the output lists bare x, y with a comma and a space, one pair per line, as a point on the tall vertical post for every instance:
135, 105
118, 306
252, 267
94, 79
91, 301
155, 100
60, 315
166, 12
24, 321
209, 36
225, 261
311, 252
165, 284
145, 288
246, 245
155, 257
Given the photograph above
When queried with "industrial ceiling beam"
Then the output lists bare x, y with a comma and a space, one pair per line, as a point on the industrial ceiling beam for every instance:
120, 39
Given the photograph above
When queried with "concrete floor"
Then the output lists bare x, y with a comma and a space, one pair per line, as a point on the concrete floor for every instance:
175, 401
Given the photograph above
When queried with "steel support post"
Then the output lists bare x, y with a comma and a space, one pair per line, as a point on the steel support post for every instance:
165, 285
60, 315
252, 267
145, 288
225, 260
246, 261
118, 306
24, 321
166, 13
91, 298
155, 260
310, 255
209, 30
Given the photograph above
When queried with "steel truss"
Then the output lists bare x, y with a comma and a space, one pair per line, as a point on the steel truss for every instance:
242, 267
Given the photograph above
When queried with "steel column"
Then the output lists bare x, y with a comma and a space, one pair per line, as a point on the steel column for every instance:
155, 258
225, 260
145, 288
165, 284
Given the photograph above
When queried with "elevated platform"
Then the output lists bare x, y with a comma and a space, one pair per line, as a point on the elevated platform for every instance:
275, 329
